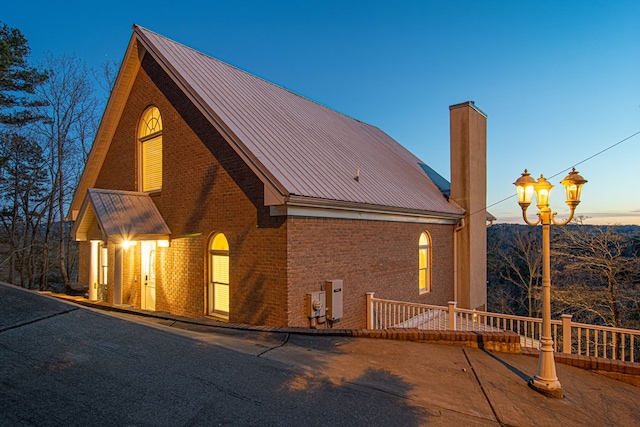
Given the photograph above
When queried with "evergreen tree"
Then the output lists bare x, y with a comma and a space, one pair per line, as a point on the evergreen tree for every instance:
18, 80
22, 177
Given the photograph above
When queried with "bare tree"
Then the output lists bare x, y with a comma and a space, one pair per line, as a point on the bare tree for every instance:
66, 134
22, 205
514, 261
598, 275
106, 76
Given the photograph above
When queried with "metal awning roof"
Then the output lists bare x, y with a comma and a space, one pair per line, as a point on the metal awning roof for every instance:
112, 215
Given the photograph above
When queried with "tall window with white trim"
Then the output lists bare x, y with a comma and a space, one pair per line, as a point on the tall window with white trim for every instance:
150, 138
218, 303
424, 263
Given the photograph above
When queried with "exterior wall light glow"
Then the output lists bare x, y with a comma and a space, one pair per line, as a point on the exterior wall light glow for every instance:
546, 381
126, 244
163, 243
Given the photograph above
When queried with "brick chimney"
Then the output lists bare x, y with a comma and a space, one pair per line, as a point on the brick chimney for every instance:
468, 133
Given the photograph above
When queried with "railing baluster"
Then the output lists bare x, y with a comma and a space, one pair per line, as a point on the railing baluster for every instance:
586, 342
587, 339
580, 341
394, 315
387, 311
392, 320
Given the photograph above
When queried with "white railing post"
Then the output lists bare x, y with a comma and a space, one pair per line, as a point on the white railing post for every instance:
566, 333
452, 315
370, 310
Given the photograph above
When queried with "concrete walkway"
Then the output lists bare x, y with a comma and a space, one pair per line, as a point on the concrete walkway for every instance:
322, 380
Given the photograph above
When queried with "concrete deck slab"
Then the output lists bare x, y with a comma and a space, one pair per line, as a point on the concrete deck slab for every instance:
66, 364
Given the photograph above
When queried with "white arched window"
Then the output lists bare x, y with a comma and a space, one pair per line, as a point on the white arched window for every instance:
218, 291
150, 138
424, 263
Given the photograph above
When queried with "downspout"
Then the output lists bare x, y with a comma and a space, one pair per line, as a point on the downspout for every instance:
456, 230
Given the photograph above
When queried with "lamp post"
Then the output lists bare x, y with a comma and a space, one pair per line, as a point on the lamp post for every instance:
546, 381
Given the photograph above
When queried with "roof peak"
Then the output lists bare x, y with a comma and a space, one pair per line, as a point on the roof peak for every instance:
236, 67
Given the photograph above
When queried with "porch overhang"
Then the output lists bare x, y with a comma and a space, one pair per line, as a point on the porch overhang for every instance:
118, 216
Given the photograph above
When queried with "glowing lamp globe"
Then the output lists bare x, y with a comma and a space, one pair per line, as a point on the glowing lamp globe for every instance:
573, 187
524, 186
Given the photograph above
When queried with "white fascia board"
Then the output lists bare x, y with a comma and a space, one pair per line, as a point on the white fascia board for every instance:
368, 213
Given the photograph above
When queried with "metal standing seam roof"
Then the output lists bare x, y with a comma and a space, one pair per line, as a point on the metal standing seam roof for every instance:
307, 148
121, 215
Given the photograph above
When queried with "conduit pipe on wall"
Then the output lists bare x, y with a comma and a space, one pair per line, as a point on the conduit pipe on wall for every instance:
456, 230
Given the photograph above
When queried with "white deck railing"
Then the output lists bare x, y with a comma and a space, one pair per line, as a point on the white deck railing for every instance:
568, 337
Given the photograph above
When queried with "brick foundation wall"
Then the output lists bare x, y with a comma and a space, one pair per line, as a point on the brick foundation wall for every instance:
369, 256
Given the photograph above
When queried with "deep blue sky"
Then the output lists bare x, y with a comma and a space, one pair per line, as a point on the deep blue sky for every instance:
559, 81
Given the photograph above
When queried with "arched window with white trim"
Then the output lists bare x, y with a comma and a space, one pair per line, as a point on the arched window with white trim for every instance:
424, 263
150, 139
218, 298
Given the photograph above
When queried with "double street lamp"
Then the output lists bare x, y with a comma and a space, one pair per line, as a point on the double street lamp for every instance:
546, 381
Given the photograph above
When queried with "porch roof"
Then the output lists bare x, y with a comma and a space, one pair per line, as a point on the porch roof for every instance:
112, 215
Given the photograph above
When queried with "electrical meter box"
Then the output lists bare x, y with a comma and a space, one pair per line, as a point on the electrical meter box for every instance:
333, 289
316, 306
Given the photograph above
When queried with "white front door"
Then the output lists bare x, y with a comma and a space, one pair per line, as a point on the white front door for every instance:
148, 273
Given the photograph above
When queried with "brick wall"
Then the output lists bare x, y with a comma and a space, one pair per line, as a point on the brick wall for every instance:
131, 280
369, 256
207, 188
84, 255
179, 278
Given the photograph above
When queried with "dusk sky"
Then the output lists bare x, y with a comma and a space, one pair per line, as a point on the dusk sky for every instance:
559, 81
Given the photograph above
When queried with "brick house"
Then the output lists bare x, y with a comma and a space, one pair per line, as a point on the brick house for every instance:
211, 192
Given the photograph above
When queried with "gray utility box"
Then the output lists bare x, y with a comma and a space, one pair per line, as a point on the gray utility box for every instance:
333, 289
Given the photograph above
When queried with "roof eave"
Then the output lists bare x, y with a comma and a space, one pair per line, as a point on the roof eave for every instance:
308, 206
